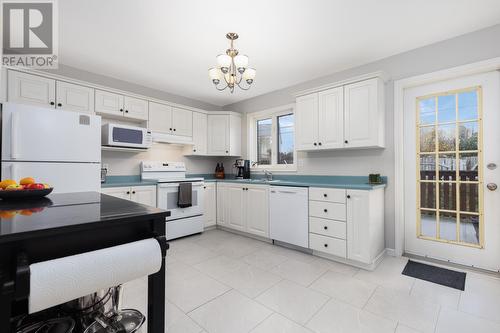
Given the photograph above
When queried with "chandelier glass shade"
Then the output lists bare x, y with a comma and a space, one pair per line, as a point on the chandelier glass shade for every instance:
232, 69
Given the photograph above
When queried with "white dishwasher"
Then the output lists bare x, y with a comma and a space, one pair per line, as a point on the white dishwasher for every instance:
289, 217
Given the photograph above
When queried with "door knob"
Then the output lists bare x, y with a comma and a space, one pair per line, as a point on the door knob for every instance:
492, 186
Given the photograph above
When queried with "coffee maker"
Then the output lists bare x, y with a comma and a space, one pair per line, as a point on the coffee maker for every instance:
243, 167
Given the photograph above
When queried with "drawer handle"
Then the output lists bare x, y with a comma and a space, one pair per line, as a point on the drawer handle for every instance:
325, 210
325, 227
326, 245
325, 195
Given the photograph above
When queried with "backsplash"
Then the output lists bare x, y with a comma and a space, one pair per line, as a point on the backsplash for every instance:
125, 163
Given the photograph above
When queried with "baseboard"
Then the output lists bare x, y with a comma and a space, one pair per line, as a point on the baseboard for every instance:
390, 252
242, 233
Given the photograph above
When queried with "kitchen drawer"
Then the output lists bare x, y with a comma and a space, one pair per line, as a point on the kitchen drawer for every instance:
327, 210
334, 246
326, 227
327, 194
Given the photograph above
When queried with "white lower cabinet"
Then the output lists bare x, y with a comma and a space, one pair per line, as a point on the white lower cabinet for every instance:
244, 207
257, 210
348, 224
210, 204
145, 195
365, 225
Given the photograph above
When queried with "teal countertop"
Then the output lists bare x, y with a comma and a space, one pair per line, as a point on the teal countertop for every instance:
122, 181
347, 182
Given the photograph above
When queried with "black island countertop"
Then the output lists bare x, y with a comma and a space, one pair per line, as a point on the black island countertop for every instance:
68, 224
67, 212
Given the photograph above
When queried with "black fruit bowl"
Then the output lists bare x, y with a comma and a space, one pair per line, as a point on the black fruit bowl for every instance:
24, 194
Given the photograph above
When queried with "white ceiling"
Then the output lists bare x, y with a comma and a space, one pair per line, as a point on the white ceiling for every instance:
169, 45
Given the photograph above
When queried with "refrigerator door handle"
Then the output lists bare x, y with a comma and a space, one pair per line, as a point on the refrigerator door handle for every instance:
13, 171
13, 136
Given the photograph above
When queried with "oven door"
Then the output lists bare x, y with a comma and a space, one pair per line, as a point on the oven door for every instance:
168, 194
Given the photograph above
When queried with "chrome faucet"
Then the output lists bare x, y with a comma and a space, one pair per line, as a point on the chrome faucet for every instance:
269, 175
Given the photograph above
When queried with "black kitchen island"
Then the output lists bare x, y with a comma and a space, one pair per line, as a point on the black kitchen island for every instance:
67, 224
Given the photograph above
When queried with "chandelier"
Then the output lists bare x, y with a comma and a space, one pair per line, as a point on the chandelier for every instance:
232, 68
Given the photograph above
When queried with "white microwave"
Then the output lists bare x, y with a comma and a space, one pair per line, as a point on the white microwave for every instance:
117, 135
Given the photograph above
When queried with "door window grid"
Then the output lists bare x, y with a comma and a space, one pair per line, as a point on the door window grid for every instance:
456, 197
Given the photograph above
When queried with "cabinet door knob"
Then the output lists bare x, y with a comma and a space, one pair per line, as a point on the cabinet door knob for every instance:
133, 192
128, 192
325, 227
52, 103
319, 143
227, 152
59, 104
325, 195
204, 187
170, 128
348, 196
121, 110
346, 141
326, 245
315, 144
194, 150
325, 210
126, 111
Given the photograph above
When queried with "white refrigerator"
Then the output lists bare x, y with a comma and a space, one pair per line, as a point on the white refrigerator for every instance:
56, 147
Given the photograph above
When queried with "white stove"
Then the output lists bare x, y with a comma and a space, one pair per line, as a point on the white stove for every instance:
182, 221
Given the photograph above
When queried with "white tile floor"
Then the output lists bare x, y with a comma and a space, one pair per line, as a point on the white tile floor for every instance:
221, 282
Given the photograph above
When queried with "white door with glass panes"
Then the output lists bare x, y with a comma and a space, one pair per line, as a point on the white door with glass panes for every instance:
452, 169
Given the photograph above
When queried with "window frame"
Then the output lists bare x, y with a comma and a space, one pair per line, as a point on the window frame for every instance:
273, 113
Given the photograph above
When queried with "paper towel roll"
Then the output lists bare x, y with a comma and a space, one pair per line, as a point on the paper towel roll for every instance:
61, 280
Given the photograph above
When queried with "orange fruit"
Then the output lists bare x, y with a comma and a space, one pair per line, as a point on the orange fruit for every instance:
7, 214
7, 182
46, 185
27, 181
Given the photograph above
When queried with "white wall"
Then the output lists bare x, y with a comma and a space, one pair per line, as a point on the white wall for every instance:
121, 163
469, 48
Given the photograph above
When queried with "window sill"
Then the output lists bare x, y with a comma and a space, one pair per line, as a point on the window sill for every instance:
274, 168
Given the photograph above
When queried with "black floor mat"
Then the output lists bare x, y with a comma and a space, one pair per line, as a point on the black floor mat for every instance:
442, 276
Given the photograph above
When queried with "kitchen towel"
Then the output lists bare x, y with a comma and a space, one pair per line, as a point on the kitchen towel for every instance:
185, 194
61, 280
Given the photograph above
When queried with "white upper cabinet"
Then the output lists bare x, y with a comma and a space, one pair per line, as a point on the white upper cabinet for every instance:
31, 89
350, 116
218, 135
117, 105
364, 114
306, 120
73, 97
200, 135
108, 103
135, 108
160, 118
224, 135
331, 118
170, 123
182, 122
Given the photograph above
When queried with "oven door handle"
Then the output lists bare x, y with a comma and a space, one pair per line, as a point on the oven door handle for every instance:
177, 185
